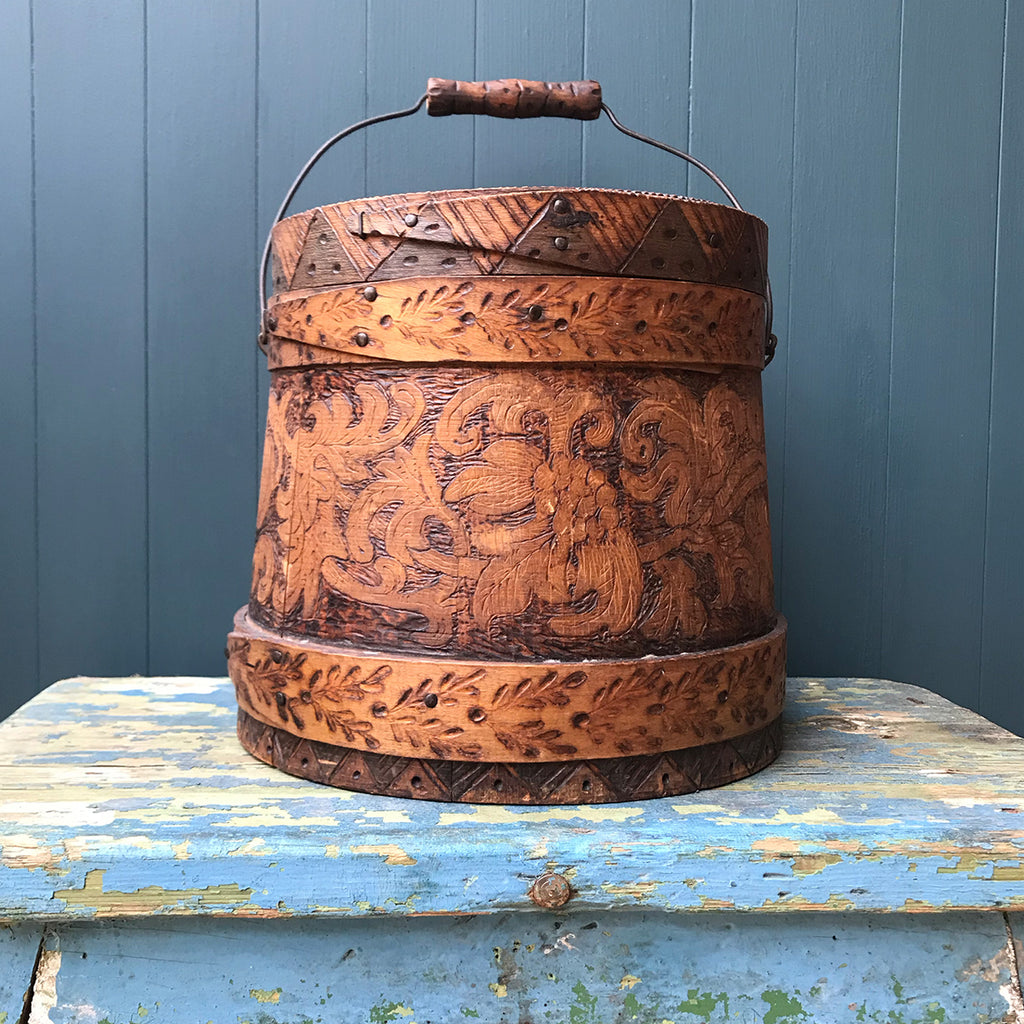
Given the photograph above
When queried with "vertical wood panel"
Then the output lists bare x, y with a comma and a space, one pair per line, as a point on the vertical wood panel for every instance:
839, 334
312, 80
202, 351
536, 40
942, 333
90, 216
741, 127
18, 624
1002, 652
645, 78
406, 45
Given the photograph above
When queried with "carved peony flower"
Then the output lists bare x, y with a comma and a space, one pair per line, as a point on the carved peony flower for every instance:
552, 532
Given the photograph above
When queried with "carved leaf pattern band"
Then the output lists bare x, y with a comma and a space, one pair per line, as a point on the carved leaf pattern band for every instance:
478, 711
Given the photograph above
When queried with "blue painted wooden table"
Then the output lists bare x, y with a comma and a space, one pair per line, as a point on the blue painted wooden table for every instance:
152, 871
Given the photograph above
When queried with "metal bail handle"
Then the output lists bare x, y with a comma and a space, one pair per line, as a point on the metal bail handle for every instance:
510, 98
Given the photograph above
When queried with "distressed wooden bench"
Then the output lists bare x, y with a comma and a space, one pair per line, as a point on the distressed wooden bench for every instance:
151, 870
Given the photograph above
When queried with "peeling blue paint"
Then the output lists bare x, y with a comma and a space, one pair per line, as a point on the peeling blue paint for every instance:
920, 812
725, 968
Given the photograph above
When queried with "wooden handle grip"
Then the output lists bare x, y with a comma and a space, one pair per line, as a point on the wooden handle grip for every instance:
512, 97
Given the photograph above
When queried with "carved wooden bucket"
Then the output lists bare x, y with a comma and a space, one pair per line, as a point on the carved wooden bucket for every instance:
513, 539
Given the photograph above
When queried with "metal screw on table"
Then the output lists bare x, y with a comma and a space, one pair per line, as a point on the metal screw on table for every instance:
551, 891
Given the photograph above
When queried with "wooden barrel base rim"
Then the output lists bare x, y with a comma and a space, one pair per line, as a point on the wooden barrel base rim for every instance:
704, 711
598, 780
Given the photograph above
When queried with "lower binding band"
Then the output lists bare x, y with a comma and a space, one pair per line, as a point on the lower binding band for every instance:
595, 780
459, 710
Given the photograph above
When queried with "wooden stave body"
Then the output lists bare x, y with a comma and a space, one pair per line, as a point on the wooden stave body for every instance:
330, 341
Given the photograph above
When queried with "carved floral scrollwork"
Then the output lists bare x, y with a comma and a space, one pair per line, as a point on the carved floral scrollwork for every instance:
707, 462
456, 504
543, 516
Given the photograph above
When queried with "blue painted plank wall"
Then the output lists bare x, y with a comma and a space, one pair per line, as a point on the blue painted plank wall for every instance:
838, 331
89, 86
148, 145
200, 353
19, 592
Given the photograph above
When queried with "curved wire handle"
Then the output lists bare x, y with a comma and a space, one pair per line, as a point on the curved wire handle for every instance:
267, 323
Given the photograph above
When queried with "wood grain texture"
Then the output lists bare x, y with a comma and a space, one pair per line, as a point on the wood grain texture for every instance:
19, 624
198, 508
506, 711
523, 231
573, 965
514, 513
91, 432
1002, 662
132, 798
575, 780
530, 319
936, 483
508, 513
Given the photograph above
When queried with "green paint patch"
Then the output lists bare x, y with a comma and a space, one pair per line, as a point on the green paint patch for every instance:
782, 1008
702, 1004
931, 1013
584, 1006
466, 1012
384, 1013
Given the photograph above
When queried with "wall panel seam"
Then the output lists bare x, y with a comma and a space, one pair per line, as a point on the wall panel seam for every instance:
883, 599
257, 243
146, 476
689, 98
35, 342
779, 571
992, 359
476, 77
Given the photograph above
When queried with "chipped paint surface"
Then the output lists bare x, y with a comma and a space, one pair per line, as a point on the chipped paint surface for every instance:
143, 781
19, 946
623, 966
391, 852
150, 899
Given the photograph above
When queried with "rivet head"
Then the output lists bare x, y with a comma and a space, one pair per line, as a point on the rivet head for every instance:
535, 313
550, 891
362, 339
561, 206
411, 220
714, 239
561, 242
369, 293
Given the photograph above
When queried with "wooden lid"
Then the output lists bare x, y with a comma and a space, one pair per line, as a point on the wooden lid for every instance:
520, 275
